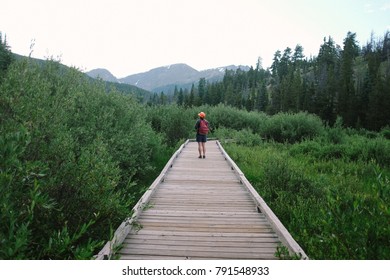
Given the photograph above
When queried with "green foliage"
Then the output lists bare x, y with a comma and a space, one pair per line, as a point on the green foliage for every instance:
292, 128
62, 245
176, 123
332, 197
5, 57
385, 132
336, 134
173, 122
245, 136
350, 148
282, 253
352, 82
74, 160
230, 117
358, 219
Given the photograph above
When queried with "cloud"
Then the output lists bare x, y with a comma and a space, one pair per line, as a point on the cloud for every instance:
368, 9
385, 7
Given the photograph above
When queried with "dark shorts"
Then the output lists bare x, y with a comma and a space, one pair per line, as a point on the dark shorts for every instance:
201, 138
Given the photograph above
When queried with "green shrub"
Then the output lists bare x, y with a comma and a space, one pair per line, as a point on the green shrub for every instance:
336, 134
385, 132
291, 128
74, 160
229, 117
245, 136
357, 218
175, 123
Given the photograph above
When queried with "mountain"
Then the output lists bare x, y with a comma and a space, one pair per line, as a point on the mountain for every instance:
103, 74
109, 80
165, 78
161, 76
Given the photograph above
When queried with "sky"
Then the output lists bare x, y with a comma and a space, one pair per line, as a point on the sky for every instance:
133, 36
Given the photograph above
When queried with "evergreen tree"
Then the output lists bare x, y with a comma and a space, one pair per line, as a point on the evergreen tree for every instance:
202, 91
163, 99
180, 97
262, 98
191, 99
5, 56
175, 94
275, 64
326, 80
285, 63
298, 57
347, 98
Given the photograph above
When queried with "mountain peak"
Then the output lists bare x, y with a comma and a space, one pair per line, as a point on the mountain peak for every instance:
170, 74
103, 74
166, 77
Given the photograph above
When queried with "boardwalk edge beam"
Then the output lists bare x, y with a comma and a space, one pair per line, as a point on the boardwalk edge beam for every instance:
128, 224
262, 206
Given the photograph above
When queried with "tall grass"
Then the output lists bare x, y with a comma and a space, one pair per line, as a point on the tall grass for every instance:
333, 198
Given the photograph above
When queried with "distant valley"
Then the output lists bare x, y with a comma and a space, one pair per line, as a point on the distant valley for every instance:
165, 78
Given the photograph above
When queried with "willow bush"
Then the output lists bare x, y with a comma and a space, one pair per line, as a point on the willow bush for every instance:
74, 160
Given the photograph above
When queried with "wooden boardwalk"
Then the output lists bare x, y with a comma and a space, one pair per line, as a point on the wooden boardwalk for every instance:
200, 209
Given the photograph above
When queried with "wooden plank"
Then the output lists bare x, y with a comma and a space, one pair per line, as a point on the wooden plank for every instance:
168, 232
189, 214
185, 247
226, 241
199, 208
189, 254
191, 202
204, 223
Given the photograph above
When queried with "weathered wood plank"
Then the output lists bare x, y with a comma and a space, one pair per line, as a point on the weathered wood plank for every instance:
186, 248
189, 214
196, 241
168, 232
190, 254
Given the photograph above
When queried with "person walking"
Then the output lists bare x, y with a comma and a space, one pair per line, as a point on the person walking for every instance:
202, 129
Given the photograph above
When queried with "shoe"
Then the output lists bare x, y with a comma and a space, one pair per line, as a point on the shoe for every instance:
200, 157
204, 156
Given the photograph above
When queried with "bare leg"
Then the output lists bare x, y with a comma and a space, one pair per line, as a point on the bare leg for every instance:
204, 148
200, 148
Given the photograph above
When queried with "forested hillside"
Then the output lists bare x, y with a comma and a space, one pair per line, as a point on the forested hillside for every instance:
351, 81
76, 154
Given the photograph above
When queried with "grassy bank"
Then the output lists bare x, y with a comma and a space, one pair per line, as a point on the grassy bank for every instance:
333, 198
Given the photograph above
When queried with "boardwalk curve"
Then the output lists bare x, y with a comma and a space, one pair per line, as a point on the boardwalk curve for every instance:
200, 209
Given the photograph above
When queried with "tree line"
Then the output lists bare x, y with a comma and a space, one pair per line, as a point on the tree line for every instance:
350, 82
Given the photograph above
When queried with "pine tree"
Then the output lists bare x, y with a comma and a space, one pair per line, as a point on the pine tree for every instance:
262, 98
180, 97
5, 56
298, 57
191, 99
202, 91
326, 80
347, 99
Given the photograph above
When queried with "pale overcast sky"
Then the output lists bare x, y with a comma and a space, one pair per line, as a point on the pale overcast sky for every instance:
132, 36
